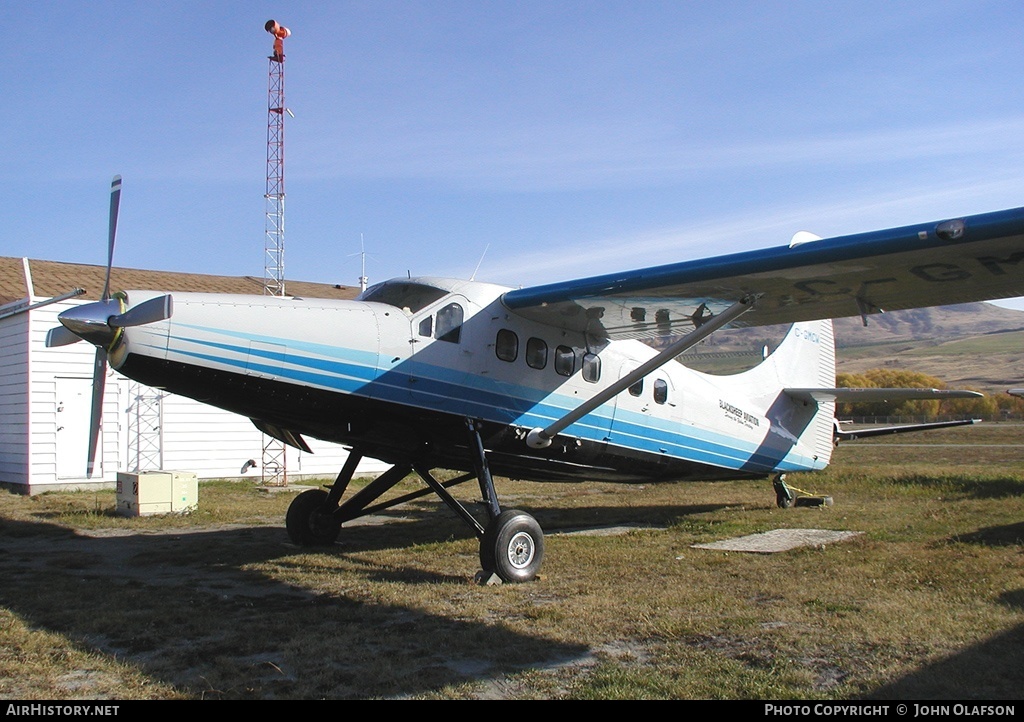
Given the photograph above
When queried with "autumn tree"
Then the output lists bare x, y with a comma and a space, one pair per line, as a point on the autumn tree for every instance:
984, 407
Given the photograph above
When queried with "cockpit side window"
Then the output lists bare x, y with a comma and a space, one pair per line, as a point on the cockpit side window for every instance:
449, 323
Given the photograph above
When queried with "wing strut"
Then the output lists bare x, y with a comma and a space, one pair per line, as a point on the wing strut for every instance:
539, 438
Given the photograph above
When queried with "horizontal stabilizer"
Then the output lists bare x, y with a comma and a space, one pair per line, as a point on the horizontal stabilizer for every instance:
843, 435
851, 395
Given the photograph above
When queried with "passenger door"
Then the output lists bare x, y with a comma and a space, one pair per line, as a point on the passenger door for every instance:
439, 356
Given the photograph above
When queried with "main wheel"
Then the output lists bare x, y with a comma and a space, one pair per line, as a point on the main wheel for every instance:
513, 546
306, 522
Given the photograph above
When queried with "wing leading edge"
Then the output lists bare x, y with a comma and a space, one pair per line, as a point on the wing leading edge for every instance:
974, 258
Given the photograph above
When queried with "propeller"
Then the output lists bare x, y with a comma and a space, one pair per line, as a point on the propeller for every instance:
99, 366
100, 324
61, 336
115, 205
151, 311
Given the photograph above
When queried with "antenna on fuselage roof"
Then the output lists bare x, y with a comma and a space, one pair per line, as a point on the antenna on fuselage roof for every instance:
362, 267
473, 277
363, 279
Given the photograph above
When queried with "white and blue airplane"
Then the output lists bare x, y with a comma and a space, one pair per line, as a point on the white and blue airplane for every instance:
552, 382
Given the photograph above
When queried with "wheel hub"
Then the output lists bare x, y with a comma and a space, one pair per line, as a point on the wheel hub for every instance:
521, 550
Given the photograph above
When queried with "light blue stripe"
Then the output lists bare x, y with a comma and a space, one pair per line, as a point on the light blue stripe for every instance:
518, 405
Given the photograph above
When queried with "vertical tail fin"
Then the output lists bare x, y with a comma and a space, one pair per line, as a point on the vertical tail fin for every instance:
805, 358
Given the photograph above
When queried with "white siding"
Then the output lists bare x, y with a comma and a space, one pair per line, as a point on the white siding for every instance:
46, 367
216, 443
14, 408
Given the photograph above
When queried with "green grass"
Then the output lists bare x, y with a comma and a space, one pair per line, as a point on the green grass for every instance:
927, 603
1010, 343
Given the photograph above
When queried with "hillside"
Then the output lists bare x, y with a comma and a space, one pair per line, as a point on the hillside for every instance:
973, 345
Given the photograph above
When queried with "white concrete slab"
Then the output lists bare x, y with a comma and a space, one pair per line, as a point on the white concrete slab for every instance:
780, 540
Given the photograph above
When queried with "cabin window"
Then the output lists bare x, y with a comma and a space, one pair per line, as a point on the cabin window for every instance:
637, 388
536, 353
449, 323
591, 367
565, 360
660, 391
507, 345
427, 327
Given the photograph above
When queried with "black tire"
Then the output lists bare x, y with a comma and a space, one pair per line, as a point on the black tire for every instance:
513, 547
307, 525
783, 501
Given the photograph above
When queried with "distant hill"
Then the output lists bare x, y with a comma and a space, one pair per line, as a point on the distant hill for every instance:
943, 323
972, 345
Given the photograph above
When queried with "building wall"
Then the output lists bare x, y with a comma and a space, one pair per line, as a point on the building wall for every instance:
216, 443
14, 399
60, 389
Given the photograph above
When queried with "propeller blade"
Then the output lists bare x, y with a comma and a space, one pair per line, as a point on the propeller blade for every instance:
61, 336
99, 381
151, 311
115, 203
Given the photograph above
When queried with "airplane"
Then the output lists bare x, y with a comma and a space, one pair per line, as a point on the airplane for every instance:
553, 382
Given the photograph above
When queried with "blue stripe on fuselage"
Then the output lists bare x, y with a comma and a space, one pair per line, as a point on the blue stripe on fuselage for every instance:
352, 371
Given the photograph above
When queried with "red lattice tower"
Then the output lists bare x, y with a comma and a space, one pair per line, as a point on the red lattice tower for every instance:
274, 450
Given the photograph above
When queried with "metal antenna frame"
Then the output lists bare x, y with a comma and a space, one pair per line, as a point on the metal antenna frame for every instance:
274, 467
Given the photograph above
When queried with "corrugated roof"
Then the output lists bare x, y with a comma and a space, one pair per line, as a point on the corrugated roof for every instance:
53, 278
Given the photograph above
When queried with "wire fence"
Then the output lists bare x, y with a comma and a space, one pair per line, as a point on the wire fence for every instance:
1003, 415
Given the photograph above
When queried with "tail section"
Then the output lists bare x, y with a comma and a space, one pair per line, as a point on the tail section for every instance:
805, 358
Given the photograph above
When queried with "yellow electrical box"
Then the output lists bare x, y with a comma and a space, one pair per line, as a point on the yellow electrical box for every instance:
157, 492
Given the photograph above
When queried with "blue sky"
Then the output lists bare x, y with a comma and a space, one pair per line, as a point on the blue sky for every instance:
534, 141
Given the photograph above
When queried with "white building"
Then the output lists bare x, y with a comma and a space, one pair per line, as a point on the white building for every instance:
45, 393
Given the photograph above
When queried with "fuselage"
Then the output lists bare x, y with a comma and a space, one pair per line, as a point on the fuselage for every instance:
397, 372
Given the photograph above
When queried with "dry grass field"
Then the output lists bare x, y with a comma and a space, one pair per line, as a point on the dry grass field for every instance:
927, 602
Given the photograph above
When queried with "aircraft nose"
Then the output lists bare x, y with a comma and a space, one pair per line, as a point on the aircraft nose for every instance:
91, 321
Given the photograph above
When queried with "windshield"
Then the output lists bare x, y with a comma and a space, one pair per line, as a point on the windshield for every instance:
408, 296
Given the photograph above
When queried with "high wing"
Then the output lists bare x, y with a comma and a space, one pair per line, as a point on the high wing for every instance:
973, 258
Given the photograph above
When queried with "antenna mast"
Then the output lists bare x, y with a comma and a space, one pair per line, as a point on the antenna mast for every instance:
274, 457
362, 274
273, 276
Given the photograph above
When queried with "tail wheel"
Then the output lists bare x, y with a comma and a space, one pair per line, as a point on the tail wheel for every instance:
307, 523
783, 496
513, 547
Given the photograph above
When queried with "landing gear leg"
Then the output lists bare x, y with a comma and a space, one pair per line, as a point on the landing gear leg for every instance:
512, 545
